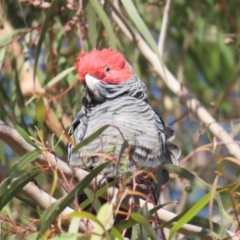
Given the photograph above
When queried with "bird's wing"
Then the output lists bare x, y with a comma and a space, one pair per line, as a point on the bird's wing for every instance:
166, 134
77, 132
170, 153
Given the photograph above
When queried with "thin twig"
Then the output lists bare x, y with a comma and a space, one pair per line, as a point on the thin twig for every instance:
41, 198
179, 118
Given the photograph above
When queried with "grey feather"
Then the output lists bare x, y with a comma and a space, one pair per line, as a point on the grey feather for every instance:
124, 106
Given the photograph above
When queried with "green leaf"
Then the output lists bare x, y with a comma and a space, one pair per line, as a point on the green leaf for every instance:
142, 221
195, 180
6, 38
115, 233
89, 139
199, 235
105, 20
59, 77
32, 236
68, 236
133, 13
26, 201
40, 110
73, 226
125, 164
3, 50
197, 221
24, 161
106, 216
208, 188
92, 199
93, 218
10, 188
155, 209
125, 224
98, 194
92, 29
198, 182
17, 84
43, 32
190, 214
204, 223
55, 209
54, 182
24, 134
135, 232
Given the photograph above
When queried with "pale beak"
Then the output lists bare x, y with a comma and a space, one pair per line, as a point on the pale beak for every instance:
91, 82
93, 85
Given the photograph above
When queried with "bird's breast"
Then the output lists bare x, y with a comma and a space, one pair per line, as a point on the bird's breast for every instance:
130, 119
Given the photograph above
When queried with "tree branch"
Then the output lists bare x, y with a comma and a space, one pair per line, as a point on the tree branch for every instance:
16, 142
38, 196
192, 104
11, 137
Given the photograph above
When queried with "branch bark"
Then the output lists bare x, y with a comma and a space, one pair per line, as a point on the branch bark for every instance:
11, 137
38, 196
192, 104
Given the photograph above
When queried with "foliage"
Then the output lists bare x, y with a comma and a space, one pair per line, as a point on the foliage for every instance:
39, 95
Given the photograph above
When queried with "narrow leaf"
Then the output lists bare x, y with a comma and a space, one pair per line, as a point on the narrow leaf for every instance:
198, 182
55, 209
10, 188
105, 20
2, 54
73, 227
125, 224
68, 236
90, 138
59, 77
188, 175
93, 199
43, 32
40, 110
190, 214
24, 134
142, 221
133, 13
98, 194
24, 161
115, 233
199, 235
91, 217
92, 29
105, 215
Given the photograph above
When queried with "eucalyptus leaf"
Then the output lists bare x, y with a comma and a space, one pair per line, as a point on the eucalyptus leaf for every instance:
90, 138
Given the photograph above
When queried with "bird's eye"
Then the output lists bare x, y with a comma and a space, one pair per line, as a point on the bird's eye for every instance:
107, 69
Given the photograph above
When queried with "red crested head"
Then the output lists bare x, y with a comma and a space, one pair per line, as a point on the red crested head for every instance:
106, 65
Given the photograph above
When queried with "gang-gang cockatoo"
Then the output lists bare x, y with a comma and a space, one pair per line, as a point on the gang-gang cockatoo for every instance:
114, 95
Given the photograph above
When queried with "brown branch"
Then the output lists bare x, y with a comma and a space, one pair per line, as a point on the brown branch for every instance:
192, 104
16, 142
38, 196
11, 137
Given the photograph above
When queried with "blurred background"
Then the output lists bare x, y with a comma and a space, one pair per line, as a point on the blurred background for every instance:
39, 92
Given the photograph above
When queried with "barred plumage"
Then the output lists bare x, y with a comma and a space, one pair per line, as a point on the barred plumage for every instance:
124, 105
